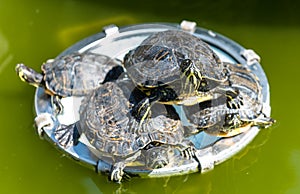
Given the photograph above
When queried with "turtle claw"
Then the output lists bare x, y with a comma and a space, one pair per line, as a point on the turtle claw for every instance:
117, 172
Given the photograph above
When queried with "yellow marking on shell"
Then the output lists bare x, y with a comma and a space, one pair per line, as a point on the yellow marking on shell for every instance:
189, 100
166, 53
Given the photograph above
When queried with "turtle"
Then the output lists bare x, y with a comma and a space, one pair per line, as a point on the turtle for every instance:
74, 74
158, 156
109, 131
236, 111
173, 67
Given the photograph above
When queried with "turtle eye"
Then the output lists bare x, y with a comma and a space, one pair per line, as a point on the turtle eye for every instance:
203, 86
185, 64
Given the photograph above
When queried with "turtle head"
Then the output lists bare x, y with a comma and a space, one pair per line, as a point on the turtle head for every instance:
158, 157
28, 75
190, 74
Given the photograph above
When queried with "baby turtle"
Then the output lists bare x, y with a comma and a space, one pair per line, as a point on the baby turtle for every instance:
74, 74
173, 67
108, 130
236, 111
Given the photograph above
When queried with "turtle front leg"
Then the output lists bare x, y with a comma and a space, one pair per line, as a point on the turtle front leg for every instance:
117, 172
59, 106
187, 150
141, 110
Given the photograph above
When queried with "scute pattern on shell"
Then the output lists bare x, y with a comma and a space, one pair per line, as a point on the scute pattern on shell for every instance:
158, 57
109, 128
74, 74
249, 101
228, 113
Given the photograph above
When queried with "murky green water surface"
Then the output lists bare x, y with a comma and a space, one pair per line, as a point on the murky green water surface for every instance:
33, 31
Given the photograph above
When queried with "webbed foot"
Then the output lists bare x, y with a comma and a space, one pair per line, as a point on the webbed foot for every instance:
67, 135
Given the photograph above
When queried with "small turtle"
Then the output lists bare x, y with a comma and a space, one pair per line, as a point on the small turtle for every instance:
173, 67
158, 156
234, 112
108, 130
74, 74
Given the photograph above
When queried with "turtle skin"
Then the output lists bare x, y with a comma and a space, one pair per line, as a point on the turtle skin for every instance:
75, 74
173, 67
236, 110
157, 60
109, 130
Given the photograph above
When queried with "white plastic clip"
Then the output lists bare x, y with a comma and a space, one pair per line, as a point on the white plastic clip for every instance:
111, 29
250, 56
43, 122
188, 26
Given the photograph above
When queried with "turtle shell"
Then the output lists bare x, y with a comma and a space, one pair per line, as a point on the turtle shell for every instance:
106, 122
76, 74
231, 114
249, 99
156, 60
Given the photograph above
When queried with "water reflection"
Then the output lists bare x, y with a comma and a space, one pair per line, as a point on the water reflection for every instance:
230, 177
5, 57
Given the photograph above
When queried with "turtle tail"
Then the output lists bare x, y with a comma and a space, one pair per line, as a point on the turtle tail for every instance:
29, 75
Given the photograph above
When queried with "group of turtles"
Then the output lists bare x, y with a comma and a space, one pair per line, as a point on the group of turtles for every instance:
128, 106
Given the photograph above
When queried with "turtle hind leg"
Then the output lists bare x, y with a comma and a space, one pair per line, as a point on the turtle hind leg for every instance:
67, 135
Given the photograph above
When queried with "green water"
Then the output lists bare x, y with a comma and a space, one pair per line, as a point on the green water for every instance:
34, 31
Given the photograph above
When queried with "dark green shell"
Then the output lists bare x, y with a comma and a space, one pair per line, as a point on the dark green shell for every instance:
106, 122
158, 57
227, 113
76, 74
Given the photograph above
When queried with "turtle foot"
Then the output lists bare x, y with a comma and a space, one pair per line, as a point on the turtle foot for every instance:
117, 172
66, 135
188, 153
